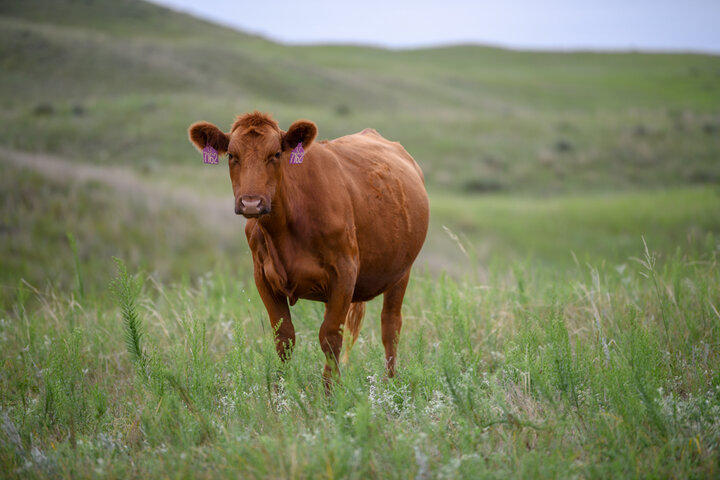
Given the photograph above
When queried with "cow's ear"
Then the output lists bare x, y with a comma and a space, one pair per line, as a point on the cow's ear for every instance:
303, 131
203, 134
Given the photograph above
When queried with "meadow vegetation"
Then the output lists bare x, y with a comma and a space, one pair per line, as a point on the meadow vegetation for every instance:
599, 372
563, 319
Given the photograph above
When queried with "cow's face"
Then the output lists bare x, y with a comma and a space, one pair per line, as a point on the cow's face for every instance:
258, 151
254, 163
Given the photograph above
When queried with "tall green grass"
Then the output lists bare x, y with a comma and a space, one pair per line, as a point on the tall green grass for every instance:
610, 372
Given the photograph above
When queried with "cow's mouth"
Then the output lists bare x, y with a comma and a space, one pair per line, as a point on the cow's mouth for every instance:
254, 215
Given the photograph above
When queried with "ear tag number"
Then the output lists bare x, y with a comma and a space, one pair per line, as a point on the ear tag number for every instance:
210, 155
296, 156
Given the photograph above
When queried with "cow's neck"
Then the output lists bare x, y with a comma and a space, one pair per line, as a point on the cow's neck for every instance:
274, 228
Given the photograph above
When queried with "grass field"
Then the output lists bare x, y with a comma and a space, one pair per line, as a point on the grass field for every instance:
599, 371
562, 321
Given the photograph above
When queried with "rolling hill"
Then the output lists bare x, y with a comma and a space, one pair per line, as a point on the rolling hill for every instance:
118, 82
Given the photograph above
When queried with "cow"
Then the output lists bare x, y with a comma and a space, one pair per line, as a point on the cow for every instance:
338, 221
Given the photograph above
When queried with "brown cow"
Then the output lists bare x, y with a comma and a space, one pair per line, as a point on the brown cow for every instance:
342, 227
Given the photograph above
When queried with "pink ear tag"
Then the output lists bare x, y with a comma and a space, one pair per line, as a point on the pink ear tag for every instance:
210, 155
297, 154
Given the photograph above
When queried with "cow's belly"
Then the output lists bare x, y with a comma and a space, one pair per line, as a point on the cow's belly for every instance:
315, 285
366, 288
389, 239
308, 280
370, 286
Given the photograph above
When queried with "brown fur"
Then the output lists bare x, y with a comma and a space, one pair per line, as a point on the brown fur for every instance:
342, 227
253, 122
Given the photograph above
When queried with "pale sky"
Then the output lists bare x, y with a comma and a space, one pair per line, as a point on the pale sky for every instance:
543, 24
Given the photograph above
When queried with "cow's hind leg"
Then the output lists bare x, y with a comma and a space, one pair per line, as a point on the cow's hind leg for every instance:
391, 319
353, 322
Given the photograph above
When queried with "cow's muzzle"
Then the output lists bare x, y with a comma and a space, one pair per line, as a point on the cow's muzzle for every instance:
251, 206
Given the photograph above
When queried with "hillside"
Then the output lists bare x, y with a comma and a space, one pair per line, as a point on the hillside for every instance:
118, 82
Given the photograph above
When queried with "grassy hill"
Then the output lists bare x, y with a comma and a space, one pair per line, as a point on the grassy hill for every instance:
477, 119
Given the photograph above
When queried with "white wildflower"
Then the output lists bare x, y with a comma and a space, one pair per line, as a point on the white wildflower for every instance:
279, 397
437, 404
308, 438
228, 404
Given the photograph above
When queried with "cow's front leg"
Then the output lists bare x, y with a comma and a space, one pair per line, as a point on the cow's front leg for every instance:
280, 320
330, 336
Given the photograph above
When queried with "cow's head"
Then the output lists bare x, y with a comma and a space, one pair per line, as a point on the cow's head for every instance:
258, 151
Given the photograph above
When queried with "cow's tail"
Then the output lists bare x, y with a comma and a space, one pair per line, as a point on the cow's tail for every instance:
353, 322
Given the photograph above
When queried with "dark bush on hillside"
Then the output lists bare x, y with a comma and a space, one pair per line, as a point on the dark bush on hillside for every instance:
482, 185
44, 109
563, 145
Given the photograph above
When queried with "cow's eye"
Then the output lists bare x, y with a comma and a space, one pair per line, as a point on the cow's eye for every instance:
277, 155
233, 159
